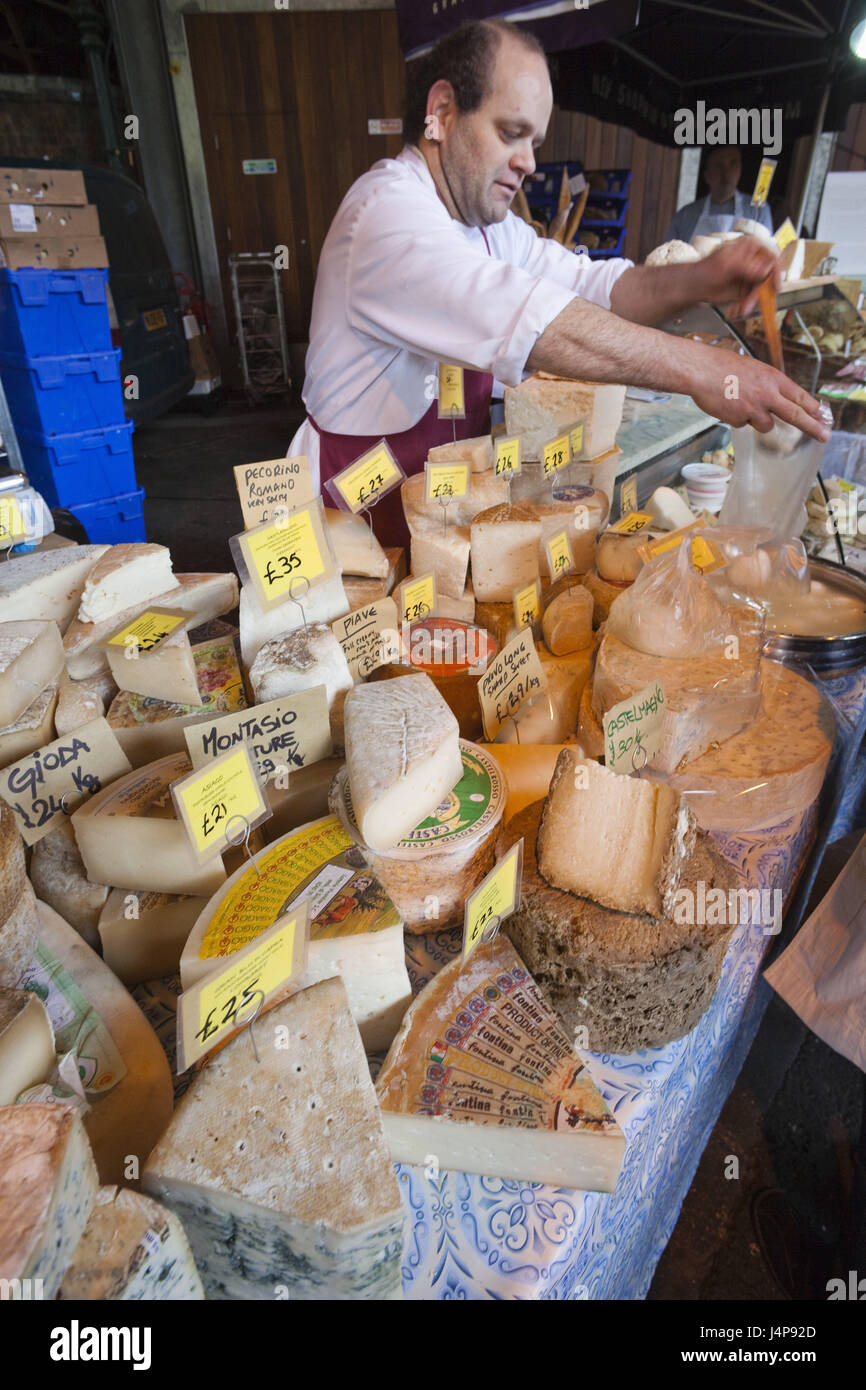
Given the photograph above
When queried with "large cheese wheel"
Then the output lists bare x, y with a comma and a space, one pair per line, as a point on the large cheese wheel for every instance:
632, 981
770, 771
12, 868
130, 1118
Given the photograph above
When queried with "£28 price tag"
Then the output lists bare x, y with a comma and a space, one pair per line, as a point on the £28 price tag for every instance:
507, 457
224, 795
230, 996
367, 480
496, 897
446, 482
527, 604
287, 557
556, 454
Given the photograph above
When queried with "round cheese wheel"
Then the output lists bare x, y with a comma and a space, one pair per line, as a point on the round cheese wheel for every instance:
616, 557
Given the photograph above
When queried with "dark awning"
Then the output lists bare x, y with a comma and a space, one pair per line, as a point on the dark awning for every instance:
558, 24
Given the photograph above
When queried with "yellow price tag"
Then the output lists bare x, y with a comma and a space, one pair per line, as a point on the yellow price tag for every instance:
366, 480
763, 181
507, 456
452, 401
575, 439
149, 630
527, 605
233, 993
559, 557
283, 554
417, 598
495, 898
786, 234
447, 481
706, 555
219, 797
628, 496
630, 523
12, 528
846, 487
557, 453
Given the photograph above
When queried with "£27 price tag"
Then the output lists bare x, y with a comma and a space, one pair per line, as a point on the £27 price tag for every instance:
225, 795
496, 897
367, 480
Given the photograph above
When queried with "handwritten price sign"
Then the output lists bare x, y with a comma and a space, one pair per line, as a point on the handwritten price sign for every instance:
221, 796
368, 479
632, 522
148, 631
633, 730
53, 781
514, 676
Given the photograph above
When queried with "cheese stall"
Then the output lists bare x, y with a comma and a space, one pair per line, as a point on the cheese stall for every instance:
366, 947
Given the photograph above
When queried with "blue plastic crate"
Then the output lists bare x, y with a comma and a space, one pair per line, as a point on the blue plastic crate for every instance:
72, 468
49, 313
113, 519
63, 395
617, 180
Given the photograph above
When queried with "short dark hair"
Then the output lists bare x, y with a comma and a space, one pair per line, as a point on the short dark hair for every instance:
465, 58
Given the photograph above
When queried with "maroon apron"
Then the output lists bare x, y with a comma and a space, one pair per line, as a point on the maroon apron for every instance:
410, 448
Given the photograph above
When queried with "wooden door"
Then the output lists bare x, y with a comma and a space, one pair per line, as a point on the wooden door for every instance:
297, 89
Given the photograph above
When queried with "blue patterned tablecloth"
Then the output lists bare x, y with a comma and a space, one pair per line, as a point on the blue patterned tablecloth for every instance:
474, 1238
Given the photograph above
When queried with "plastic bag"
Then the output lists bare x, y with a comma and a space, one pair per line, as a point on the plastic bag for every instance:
772, 478
761, 568
670, 609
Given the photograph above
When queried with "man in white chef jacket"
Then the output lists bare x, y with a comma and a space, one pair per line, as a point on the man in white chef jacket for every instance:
724, 203
424, 263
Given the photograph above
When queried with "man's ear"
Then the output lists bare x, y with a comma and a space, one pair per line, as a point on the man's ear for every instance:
441, 110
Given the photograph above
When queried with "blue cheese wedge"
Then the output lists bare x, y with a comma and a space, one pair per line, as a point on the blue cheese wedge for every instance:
132, 1248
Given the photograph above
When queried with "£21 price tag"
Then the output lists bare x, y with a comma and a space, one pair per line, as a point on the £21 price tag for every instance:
496, 897
225, 795
232, 994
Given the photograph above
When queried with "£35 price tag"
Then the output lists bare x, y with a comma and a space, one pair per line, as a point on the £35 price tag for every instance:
556, 454
416, 598
527, 605
559, 557
146, 633
496, 897
367, 480
452, 401
232, 994
12, 527
446, 482
507, 457
225, 795
287, 557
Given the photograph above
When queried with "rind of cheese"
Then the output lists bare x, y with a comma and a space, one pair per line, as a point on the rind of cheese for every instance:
567, 622
445, 554
323, 603
770, 771
60, 879
631, 981
26, 1043
18, 937
504, 546
132, 1248
482, 1074
142, 935
617, 560
46, 584
360, 591
78, 702
304, 1195
402, 753
48, 1185
708, 699
355, 546
129, 1118
590, 734
485, 490
31, 657
623, 842
581, 520
477, 452
126, 574
604, 595
298, 661
206, 595
540, 407
32, 729
13, 872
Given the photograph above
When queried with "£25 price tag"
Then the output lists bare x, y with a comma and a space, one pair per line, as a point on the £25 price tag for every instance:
366, 480
287, 557
225, 795
446, 482
556, 454
416, 598
230, 996
633, 730
527, 605
496, 897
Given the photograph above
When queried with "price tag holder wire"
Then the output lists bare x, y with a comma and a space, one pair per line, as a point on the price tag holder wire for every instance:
249, 1024
243, 840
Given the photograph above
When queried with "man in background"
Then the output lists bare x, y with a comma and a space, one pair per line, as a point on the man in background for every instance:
724, 203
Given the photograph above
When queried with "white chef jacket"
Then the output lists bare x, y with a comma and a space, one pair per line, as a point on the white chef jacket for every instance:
402, 285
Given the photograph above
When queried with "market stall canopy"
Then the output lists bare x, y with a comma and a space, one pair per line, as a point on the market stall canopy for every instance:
727, 54
558, 24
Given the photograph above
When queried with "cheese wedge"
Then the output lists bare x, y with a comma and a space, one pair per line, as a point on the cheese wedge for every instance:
167, 674
299, 661
31, 657
567, 622
402, 754
60, 879
323, 603
18, 937
302, 1197
542, 406
477, 452
504, 543
622, 841
142, 935
444, 552
125, 575
32, 729
48, 1186
355, 546
26, 1043
46, 584
13, 871
132, 1248
482, 1076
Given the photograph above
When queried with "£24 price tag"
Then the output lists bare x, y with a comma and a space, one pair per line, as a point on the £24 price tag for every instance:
147, 632
446, 482
225, 795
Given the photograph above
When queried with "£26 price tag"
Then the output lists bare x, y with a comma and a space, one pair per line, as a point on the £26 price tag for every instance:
496, 897
507, 457
366, 480
230, 996
225, 795
287, 557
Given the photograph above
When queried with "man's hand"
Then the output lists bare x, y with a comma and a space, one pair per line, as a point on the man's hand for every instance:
731, 275
742, 391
